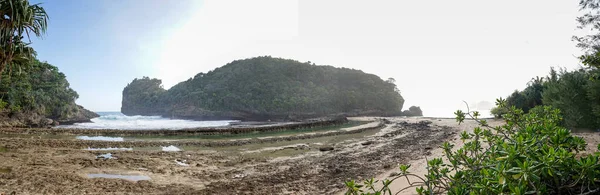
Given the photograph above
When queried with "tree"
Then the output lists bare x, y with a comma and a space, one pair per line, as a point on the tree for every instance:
19, 19
589, 43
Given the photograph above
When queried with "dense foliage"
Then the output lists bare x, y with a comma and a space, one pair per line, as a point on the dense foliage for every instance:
270, 87
18, 20
576, 96
575, 93
530, 154
37, 88
143, 96
528, 98
498, 112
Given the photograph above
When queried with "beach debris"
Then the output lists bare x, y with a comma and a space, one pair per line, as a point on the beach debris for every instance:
239, 176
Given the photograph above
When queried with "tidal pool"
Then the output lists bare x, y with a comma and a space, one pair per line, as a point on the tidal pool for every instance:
115, 176
101, 138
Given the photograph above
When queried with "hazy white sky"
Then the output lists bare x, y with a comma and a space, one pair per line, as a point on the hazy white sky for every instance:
440, 52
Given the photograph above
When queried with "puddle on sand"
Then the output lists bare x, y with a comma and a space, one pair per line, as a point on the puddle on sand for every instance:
100, 138
105, 156
109, 149
114, 176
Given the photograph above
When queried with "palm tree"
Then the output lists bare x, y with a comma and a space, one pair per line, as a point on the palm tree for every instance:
19, 19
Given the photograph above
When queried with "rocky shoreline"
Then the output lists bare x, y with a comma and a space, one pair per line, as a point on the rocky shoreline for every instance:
32, 119
35, 164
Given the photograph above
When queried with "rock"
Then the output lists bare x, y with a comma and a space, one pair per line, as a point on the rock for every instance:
394, 174
80, 115
368, 143
302, 147
386, 121
325, 149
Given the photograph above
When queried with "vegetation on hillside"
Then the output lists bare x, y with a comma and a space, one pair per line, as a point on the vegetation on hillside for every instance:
40, 89
31, 91
270, 87
144, 95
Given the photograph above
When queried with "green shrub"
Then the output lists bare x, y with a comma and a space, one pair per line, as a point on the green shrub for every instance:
530, 154
498, 112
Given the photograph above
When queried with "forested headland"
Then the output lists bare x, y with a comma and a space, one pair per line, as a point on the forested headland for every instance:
267, 88
38, 94
32, 93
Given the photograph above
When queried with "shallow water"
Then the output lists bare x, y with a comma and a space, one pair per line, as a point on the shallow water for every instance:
100, 138
114, 176
105, 156
108, 149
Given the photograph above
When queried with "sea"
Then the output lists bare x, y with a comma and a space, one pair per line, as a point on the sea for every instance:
117, 120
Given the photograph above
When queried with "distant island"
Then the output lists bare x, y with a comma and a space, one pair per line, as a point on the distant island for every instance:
267, 88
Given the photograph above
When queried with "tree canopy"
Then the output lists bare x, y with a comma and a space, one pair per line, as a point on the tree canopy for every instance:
19, 20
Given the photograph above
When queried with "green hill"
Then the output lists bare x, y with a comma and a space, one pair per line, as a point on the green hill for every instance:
38, 95
265, 88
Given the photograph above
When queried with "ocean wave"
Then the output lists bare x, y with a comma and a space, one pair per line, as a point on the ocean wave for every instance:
123, 122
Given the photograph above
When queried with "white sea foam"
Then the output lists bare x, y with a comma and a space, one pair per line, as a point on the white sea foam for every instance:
171, 148
115, 120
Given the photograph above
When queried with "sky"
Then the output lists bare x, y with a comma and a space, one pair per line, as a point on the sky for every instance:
440, 52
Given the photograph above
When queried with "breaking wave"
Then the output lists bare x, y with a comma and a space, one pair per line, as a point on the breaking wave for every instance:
116, 120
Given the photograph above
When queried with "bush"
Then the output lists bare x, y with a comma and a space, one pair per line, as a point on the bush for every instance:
530, 154
498, 112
